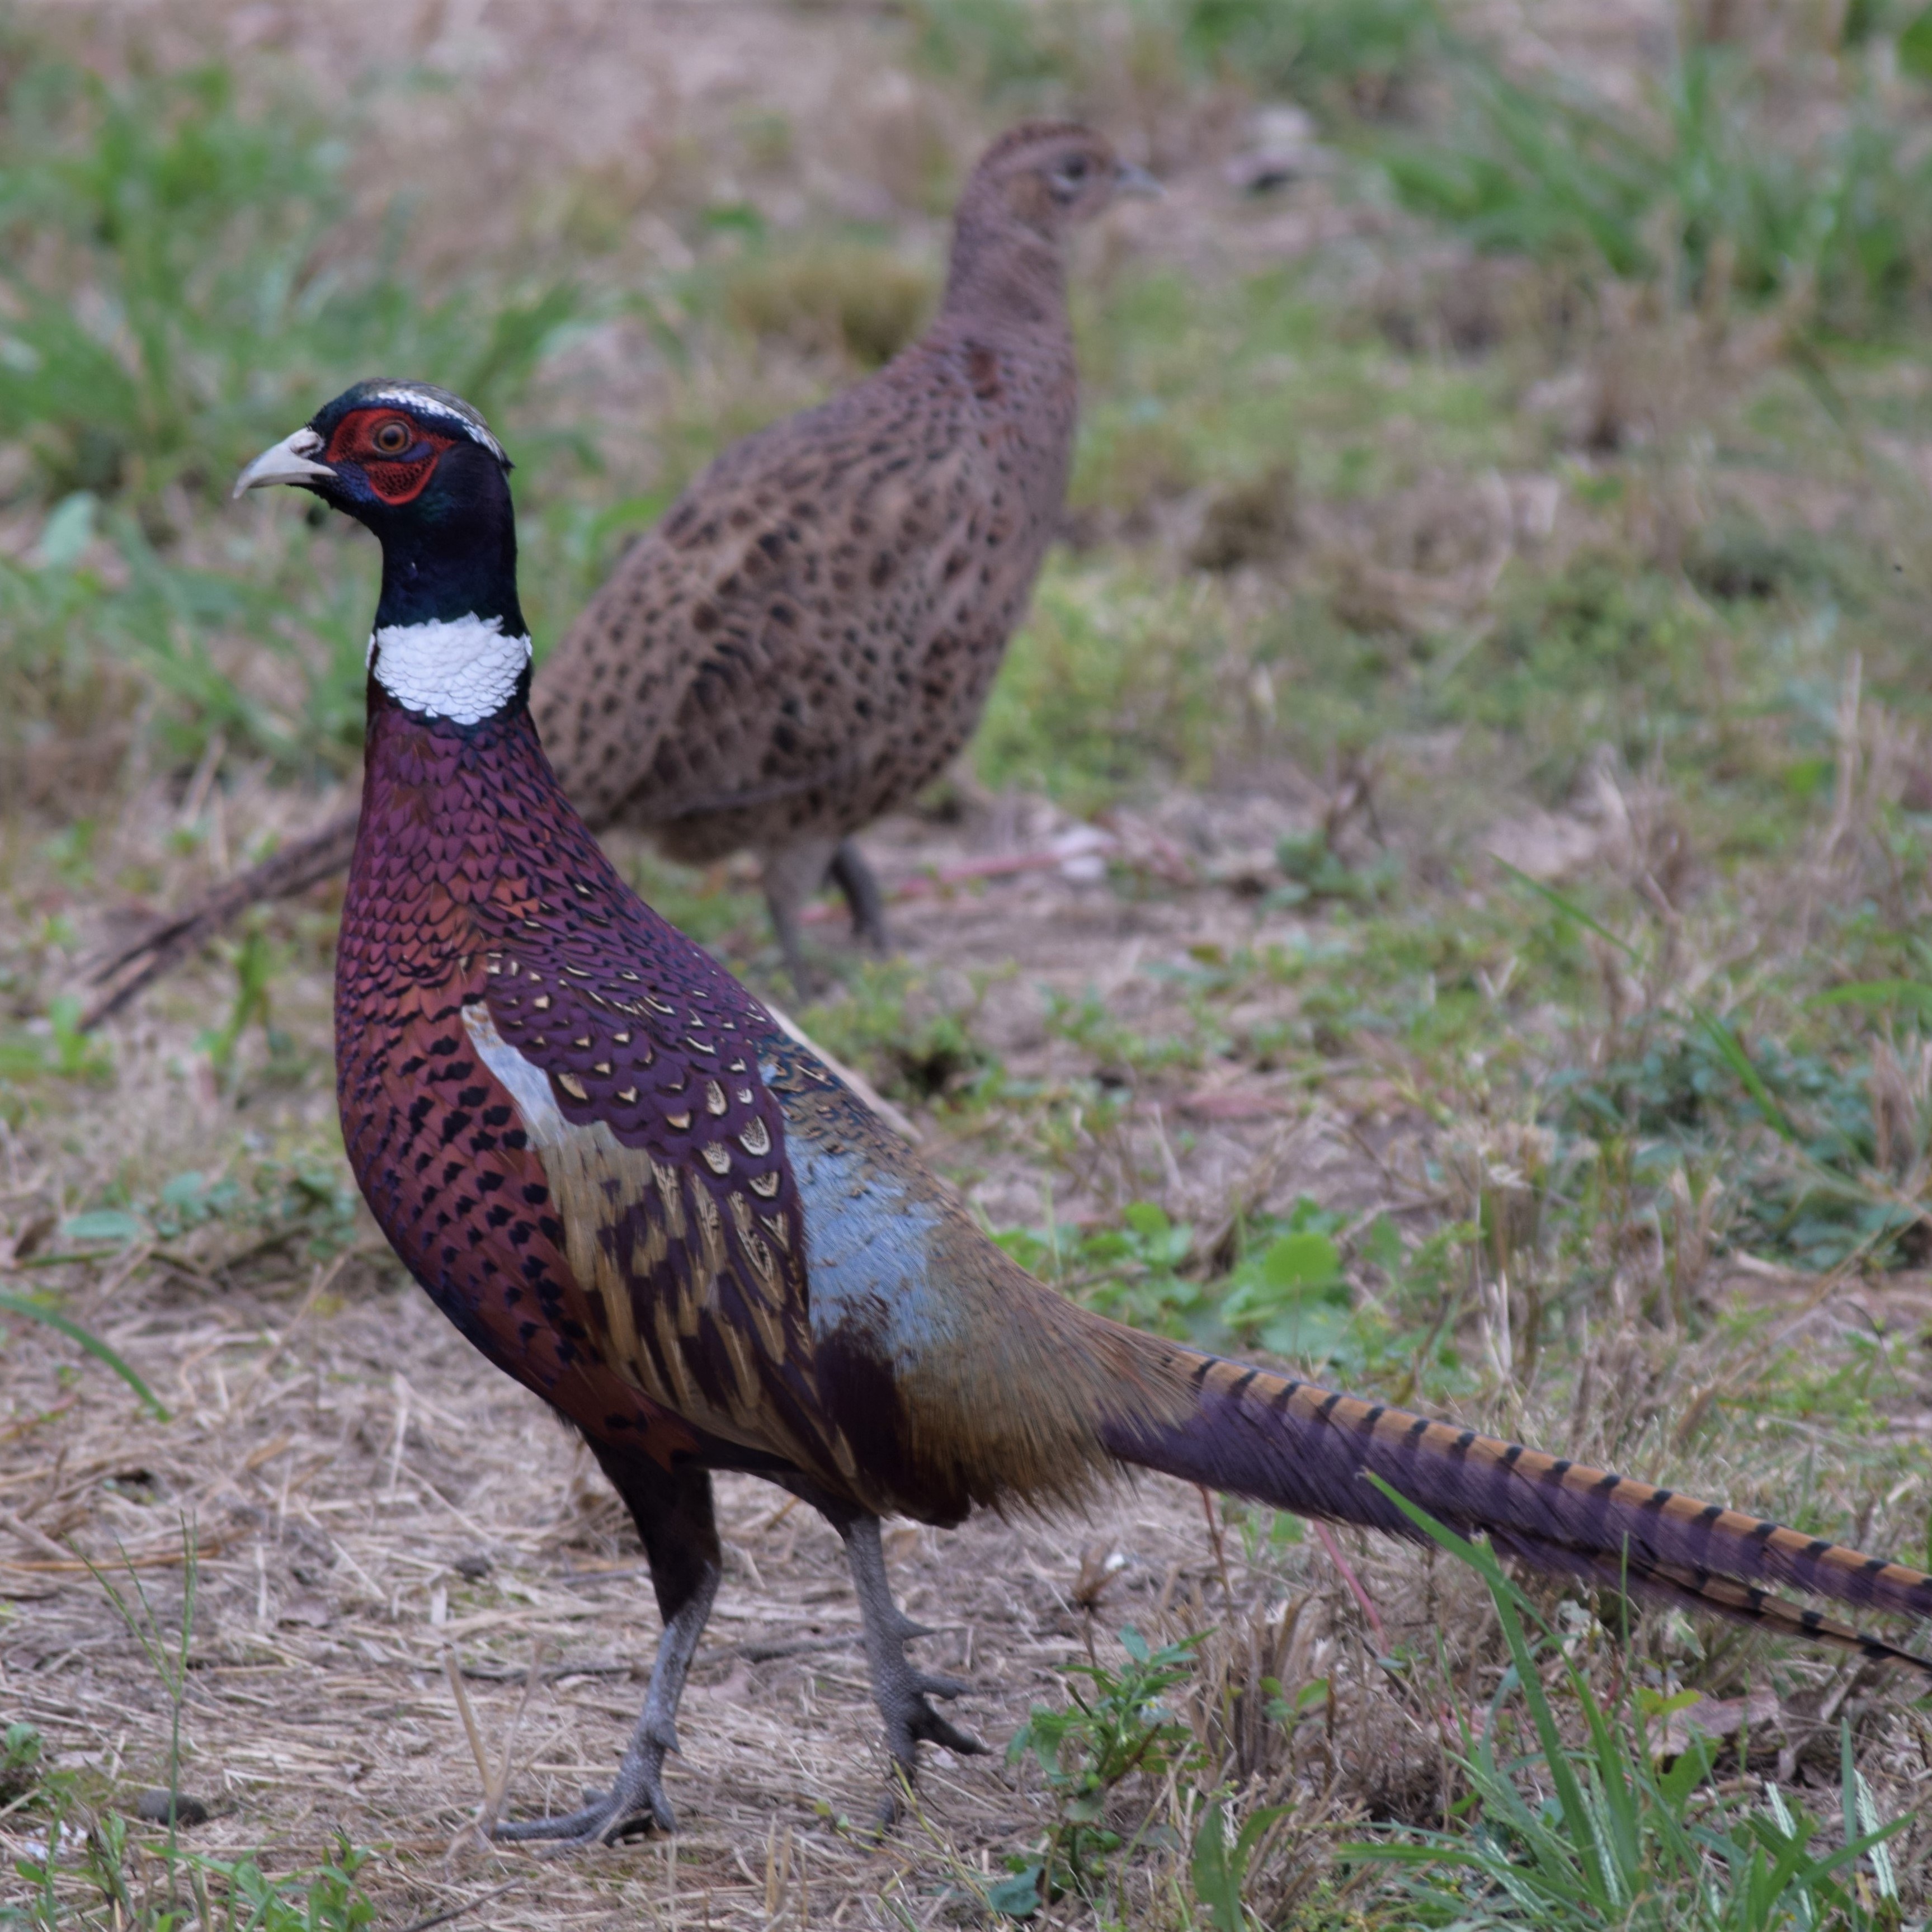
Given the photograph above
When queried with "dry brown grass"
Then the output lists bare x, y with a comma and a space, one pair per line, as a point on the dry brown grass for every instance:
370, 1501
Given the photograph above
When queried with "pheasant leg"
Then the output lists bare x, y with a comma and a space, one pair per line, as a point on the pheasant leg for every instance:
901, 1692
792, 874
857, 880
673, 1516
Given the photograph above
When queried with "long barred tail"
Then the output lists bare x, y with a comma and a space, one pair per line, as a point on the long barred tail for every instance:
118, 977
1300, 1447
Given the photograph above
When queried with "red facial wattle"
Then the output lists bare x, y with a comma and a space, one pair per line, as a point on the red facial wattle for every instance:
398, 467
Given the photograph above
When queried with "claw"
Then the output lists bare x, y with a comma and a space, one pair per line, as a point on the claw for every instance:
637, 1805
912, 1720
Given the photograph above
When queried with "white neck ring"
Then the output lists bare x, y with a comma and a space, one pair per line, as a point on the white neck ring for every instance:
461, 668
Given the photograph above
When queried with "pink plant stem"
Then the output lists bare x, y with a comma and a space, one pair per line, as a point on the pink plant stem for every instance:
1325, 1537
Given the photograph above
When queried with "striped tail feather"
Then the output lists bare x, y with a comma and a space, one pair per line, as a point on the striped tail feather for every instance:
1300, 1447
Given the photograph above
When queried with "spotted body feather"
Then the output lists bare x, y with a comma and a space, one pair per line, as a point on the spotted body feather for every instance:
637, 1195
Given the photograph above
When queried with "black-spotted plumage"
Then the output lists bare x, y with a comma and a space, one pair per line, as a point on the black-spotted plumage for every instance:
639, 1195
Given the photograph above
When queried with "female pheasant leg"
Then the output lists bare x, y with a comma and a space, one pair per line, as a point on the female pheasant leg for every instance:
900, 1691
674, 1515
792, 872
854, 878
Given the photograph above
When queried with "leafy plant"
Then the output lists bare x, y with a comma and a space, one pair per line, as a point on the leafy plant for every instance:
1314, 870
1289, 1292
229, 1894
20, 1761
1131, 1272
300, 1196
327, 1899
1292, 1294
1114, 1729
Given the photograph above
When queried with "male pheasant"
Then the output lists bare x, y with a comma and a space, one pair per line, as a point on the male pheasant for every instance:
809, 634
647, 1202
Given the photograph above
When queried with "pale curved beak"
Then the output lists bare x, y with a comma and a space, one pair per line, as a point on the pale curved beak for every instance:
288, 462
1130, 179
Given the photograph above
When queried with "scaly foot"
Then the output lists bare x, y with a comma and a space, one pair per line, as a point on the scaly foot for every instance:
635, 1804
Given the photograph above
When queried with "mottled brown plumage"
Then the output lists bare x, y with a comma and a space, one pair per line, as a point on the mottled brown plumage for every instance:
809, 635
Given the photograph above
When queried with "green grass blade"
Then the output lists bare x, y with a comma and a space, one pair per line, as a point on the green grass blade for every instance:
1578, 1818
1731, 1050
1570, 910
18, 1304
1913, 994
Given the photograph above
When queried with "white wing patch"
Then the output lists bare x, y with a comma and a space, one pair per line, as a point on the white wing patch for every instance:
464, 668
529, 1085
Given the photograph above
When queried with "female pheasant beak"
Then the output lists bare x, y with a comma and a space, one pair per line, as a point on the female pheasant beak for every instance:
288, 462
1130, 179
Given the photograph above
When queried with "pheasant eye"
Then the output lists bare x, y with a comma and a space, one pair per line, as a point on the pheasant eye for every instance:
392, 439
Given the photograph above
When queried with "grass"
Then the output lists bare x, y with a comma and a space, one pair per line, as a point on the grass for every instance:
191, 1889
1569, 506
1622, 1837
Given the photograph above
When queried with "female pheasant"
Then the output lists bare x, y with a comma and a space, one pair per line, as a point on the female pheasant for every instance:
636, 1194
809, 634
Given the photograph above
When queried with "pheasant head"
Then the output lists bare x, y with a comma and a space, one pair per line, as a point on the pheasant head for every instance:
420, 468
1051, 175
1029, 190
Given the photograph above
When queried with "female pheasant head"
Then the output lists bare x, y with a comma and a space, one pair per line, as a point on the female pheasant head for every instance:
1029, 191
420, 468
1050, 175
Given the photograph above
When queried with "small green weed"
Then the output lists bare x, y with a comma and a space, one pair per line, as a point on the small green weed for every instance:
20, 1761
1115, 1728
167, 1650
254, 959
211, 1895
297, 1197
1122, 1055
1313, 870
910, 1034
56, 1048
1220, 1866
227, 1895
1289, 1292
1131, 1273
